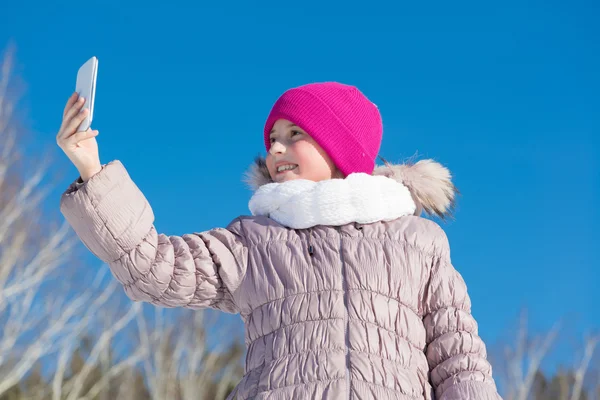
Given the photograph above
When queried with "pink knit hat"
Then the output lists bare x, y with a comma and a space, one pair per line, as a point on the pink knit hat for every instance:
338, 117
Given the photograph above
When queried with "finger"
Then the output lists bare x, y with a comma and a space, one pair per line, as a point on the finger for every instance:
74, 123
70, 103
75, 108
72, 106
68, 112
70, 125
80, 136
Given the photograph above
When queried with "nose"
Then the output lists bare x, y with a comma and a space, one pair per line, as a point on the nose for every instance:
277, 148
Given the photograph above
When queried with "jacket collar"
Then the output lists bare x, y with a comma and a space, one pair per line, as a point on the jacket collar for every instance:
361, 198
428, 182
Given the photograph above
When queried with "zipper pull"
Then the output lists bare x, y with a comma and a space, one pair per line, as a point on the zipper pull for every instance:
311, 249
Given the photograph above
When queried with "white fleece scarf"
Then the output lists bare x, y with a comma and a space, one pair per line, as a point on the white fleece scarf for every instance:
362, 198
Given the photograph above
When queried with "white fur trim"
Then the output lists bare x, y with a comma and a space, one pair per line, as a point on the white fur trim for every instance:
362, 198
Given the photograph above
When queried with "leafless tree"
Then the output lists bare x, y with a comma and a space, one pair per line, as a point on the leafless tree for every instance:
521, 374
591, 343
179, 362
31, 252
45, 318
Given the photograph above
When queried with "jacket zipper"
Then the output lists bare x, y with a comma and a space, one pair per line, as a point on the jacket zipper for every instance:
346, 319
311, 249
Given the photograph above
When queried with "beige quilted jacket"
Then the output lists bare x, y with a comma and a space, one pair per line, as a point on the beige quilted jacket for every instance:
359, 311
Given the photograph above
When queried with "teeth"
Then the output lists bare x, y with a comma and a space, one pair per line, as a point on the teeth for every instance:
286, 167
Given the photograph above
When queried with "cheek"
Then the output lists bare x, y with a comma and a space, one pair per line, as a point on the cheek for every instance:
300, 152
314, 163
270, 167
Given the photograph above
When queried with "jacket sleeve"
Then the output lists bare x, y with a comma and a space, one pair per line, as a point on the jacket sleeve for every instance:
457, 356
114, 220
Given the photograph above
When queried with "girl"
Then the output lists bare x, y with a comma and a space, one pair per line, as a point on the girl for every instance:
345, 292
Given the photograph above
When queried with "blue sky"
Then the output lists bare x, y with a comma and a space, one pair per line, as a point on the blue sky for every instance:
504, 94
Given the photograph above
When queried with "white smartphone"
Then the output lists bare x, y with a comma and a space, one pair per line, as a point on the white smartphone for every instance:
86, 87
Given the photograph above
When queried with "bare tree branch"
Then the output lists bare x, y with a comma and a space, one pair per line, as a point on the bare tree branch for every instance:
588, 352
527, 352
45, 318
59, 373
103, 341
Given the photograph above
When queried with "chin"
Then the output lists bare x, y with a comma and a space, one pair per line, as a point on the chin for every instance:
288, 178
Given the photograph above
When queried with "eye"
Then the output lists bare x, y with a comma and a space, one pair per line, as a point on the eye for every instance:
272, 140
296, 133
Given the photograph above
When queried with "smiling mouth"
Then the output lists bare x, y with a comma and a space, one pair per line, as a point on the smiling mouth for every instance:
285, 168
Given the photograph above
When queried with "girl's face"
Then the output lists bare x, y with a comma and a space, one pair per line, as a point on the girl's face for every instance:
295, 155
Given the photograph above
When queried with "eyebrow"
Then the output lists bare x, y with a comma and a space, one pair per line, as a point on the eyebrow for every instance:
289, 126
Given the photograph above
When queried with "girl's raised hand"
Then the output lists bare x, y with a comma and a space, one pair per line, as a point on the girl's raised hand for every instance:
80, 147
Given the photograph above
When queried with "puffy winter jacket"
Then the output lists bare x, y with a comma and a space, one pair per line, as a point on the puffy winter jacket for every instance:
358, 311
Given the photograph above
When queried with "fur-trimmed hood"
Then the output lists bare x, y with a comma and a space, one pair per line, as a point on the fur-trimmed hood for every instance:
429, 182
